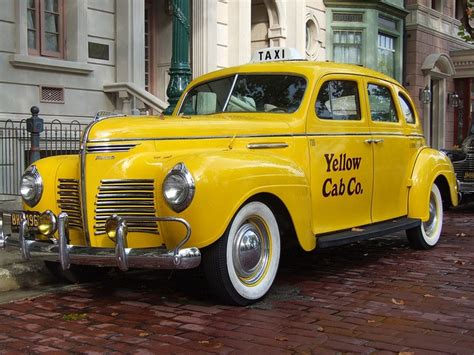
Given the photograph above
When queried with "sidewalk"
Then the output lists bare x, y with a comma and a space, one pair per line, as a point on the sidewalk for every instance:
14, 272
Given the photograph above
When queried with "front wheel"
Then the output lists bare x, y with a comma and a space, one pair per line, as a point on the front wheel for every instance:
427, 235
241, 266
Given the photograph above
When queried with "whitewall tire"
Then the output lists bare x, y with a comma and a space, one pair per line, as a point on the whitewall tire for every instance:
241, 266
427, 235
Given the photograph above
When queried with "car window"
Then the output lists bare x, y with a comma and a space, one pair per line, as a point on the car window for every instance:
251, 93
407, 110
266, 93
338, 100
382, 108
207, 98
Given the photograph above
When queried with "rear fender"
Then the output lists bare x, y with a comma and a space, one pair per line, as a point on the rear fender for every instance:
431, 167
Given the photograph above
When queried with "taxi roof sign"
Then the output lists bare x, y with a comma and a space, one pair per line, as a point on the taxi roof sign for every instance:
273, 54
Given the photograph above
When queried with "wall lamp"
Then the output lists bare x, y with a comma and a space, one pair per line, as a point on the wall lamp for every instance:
425, 95
454, 100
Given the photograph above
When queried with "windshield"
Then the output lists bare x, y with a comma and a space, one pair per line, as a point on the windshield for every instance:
250, 93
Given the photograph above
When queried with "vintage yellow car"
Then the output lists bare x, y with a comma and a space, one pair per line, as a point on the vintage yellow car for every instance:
253, 156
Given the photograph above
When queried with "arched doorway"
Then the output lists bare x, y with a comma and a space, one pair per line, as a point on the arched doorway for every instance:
260, 23
437, 68
268, 24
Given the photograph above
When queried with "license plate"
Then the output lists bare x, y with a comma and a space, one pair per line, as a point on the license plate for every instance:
32, 220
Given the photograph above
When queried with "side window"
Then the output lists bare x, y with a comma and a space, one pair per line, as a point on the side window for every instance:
338, 100
207, 98
382, 108
407, 110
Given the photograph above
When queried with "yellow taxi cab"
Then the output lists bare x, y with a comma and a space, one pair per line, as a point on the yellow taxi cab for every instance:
326, 154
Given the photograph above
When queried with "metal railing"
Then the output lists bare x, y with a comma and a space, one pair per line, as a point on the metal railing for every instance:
57, 138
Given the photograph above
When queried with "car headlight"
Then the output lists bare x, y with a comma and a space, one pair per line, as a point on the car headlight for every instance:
31, 186
178, 188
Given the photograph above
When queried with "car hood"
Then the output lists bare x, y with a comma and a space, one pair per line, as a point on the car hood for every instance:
219, 125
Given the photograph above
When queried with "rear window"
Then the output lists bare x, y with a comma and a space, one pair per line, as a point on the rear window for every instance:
407, 110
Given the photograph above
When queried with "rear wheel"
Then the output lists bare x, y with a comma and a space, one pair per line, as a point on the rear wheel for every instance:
427, 235
241, 266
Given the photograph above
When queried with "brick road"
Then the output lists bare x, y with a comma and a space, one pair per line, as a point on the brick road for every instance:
376, 296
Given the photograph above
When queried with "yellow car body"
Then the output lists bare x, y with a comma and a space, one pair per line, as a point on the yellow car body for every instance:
319, 176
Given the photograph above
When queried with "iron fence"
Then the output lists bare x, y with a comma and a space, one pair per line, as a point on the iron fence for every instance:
57, 138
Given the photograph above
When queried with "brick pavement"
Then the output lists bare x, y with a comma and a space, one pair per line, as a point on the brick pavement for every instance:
376, 296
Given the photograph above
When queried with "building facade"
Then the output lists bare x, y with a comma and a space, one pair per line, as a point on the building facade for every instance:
367, 33
441, 65
75, 57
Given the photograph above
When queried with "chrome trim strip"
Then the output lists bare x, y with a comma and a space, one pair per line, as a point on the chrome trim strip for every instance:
230, 93
121, 244
128, 181
137, 194
108, 148
83, 181
63, 231
24, 251
267, 145
106, 188
83, 152
3, 237
321, 134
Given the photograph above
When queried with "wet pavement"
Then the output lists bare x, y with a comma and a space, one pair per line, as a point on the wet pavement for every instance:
377, 296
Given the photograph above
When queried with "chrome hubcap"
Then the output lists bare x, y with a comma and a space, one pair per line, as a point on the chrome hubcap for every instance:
432, 221
251, 250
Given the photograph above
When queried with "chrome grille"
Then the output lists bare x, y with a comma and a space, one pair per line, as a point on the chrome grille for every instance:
465, 167
69, 201
109, 148
128, 197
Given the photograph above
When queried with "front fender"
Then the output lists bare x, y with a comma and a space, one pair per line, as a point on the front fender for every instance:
226, 179
66, 166
431, 166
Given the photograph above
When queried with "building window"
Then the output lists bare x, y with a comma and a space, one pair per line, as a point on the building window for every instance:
437, 5
45, 28
386, 54
347, 47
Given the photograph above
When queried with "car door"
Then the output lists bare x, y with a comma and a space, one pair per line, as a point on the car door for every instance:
391, 151
340, 158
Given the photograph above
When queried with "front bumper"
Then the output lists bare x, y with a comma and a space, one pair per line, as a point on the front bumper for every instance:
466, 187
120, 256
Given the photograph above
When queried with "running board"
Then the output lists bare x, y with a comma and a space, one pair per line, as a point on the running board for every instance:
366, 232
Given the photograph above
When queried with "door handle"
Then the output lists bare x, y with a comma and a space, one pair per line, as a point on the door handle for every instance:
374, 141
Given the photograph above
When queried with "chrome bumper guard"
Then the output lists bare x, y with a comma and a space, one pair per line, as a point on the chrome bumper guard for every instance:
120, 256
465, 187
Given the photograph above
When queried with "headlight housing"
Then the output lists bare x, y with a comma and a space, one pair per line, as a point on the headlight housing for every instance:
178, 188
31, 186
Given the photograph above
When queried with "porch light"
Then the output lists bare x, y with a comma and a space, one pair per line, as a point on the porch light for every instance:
425, 95
453, 99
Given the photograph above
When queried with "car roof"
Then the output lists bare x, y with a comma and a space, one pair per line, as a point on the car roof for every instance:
298, 66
